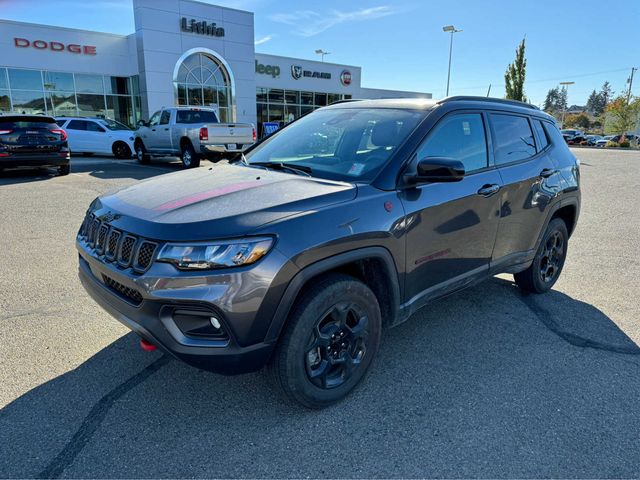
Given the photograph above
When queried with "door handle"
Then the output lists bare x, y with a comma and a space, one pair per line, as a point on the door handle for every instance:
547, 172
166, 129
489, 189
153, 129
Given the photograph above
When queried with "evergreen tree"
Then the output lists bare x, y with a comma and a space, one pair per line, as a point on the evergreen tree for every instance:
593, 103
551, 101
515, 75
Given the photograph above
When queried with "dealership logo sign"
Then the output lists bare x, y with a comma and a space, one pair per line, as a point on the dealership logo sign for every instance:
201, 28
273, 70
55, 46
297, 73
345, 78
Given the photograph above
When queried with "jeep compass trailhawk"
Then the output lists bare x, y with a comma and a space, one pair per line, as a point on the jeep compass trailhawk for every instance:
343, 222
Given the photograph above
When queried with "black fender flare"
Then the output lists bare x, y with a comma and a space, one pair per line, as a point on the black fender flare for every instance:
564, 202
326, 265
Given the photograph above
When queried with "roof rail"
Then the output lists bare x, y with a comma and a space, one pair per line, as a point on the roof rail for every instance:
470, 98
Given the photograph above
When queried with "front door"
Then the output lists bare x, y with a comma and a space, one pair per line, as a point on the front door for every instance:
451, 227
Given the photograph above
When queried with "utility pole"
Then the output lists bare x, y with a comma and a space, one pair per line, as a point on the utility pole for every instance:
489, 91
630, 82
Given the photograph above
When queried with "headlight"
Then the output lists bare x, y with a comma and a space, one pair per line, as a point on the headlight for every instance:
224, 254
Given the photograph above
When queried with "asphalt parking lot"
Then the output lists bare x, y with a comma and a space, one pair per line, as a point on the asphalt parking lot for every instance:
487, 383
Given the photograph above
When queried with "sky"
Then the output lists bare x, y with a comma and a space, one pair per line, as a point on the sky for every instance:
400, 44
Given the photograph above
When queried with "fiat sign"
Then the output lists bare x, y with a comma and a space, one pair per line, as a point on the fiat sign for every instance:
345, 78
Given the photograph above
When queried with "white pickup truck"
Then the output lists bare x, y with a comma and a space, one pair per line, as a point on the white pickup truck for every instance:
191, 133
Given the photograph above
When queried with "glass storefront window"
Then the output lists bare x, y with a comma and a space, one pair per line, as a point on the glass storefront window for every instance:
332, 98
120, 108
305, 109
194, 95
25, 79
276, 95
60, 104
223, 113
5, 101
321, 99
292, 97
117, 85
291, 112
138, 109
135, 84
89, 83
209, 96
62, 82
276, 113
28, 102
90, 105
306, 98
261, 94
4, 83
182, 95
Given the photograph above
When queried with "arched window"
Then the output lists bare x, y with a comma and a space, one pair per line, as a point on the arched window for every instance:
203, 80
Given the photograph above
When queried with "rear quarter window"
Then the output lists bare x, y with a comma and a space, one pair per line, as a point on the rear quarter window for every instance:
512, 138
542, 135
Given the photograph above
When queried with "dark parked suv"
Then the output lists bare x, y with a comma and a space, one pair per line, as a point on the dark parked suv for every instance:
33, 141
343, 222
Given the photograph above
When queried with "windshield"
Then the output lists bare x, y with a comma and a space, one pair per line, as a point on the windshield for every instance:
339, 143
113, 125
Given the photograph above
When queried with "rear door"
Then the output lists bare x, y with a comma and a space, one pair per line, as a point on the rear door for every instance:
452, 226
77, 131
531, 182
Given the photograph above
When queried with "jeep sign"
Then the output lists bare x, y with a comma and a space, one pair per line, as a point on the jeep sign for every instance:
273, 70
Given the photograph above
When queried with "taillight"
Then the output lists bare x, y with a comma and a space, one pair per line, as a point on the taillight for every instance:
204, 133
255, 135
5, 132
61, 132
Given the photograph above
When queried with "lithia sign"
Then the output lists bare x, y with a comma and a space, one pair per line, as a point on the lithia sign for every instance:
201, 28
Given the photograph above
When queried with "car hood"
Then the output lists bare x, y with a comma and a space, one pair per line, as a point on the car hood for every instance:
217, 202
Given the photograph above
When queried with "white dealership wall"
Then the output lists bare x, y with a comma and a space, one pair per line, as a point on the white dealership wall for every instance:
157, 45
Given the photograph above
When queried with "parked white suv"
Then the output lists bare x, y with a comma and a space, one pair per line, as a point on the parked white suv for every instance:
98, 135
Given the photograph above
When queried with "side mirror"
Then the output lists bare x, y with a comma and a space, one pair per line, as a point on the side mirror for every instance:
437, 169
142, 123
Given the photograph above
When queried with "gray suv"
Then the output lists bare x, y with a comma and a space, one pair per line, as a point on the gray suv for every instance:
344, 222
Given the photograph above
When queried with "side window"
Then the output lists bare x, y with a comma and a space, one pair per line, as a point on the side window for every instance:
155, 118
553, 133
542, 135
513, 138
165, 117
77, 125
460, 137
94, 127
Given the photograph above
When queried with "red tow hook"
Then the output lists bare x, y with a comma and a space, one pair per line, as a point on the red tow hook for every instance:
146, 346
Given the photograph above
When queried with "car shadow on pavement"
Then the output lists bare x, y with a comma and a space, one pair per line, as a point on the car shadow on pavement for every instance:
8, 177
489, 382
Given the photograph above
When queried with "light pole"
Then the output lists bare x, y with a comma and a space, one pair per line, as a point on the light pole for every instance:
322, 53
565, 85
452, 30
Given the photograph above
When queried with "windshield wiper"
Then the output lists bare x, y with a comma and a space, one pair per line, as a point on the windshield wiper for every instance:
298, 169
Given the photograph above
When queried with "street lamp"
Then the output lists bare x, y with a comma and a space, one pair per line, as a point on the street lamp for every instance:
451, 29
322, 53
565, 86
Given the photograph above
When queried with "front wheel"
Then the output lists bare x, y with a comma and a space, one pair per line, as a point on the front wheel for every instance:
549, 260
141, 154
121, 150
189, 157
332, 337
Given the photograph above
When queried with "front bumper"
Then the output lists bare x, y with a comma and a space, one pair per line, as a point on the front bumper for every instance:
151, 318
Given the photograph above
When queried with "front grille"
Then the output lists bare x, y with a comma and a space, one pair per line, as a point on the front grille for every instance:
124, 249
129, 294
145, 255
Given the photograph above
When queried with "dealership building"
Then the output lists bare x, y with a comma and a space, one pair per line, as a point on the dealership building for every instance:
183, 52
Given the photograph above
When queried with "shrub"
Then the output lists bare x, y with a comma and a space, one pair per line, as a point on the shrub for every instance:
611, 144
625, 144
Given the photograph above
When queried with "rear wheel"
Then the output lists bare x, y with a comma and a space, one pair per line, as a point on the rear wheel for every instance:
549, 260
141, 153
64, 169
121, 150
189, 157
332, 337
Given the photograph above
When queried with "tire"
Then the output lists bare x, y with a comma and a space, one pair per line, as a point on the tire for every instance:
64, 169
189, 157
121, 150
549, 260
141, 154
312, 364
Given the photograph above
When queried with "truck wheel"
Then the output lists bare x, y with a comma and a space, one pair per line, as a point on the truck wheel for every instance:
190, 158
121, 150
549, 260
141, 153
332, 336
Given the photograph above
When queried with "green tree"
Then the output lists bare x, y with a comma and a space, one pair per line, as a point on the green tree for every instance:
555, 101
580, 120
594, 103
515, 75
622, 115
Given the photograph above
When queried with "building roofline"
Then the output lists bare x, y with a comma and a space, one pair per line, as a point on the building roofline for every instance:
308, 60
69, 29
